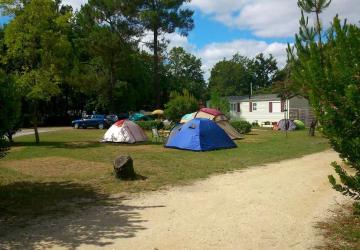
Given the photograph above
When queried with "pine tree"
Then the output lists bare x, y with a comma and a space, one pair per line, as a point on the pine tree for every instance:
308, 34
330, 73
164, 17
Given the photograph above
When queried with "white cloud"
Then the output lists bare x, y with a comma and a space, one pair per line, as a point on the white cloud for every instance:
76, 4
271, 18
265, 18
174, 39
213, 53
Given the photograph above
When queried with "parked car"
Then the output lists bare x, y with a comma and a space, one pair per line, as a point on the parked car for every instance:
112, 119
95, 121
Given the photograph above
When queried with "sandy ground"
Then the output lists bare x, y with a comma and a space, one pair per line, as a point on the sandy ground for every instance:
30, 131
267, 207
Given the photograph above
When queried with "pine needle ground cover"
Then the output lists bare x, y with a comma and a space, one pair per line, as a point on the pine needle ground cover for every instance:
342, 231
70, 166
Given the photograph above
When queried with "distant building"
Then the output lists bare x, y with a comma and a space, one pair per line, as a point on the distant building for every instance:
269, 108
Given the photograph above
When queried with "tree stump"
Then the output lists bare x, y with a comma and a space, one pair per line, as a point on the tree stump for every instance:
123, 167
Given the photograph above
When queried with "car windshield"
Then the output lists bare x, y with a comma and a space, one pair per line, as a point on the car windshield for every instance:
97, 117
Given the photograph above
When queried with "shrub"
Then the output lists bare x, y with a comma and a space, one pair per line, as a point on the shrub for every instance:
242, 127
148, 125
255, 124
180, 104
299, 124
220, 103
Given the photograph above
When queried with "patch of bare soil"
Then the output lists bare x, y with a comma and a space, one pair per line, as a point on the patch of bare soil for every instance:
56, 167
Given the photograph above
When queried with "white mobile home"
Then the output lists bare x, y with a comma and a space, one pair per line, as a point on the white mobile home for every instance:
269, 109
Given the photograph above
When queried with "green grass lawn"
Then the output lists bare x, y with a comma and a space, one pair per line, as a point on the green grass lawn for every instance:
72, 164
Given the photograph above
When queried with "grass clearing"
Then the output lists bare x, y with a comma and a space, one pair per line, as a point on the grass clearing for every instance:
72, 165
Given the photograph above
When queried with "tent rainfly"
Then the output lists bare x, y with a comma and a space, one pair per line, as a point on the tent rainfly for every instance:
125, 131
199, 134
218, 117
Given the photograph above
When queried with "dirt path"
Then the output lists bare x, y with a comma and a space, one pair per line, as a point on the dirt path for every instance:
269, 207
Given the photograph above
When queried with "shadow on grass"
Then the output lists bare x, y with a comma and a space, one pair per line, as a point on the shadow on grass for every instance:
81, 144
42, 215
69, 145
145, 143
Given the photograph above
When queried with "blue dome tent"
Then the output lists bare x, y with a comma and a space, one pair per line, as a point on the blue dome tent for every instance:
199, 135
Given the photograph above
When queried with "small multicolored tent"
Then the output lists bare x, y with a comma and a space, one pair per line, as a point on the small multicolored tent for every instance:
125, 131
299, 124
157, 112
199, 134
218, 117
286, 124
187, 117
138, 117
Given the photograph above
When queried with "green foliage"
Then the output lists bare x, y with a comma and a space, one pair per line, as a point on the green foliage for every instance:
167, 16
148, 125
264, 71
231, 77
164, 17
185, 72
219, 103
299, 124
180, 104
107, 56
241, 126
235, 76
37, 41
9, 104
36, 37
330, 72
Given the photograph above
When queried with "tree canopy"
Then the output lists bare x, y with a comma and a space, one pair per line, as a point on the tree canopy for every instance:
184, 71
37, 40
237, 75
164, 17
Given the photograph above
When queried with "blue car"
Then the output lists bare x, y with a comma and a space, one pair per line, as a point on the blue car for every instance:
94, 121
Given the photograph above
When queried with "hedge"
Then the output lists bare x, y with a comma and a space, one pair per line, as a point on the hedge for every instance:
242, 127
148, 125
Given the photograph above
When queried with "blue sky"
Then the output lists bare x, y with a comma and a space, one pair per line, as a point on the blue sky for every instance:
207, 30
249, 27
3, 20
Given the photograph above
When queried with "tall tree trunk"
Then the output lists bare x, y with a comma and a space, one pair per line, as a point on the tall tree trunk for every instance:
156, 69
111, 89
35, 122
318, 27
66, 99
